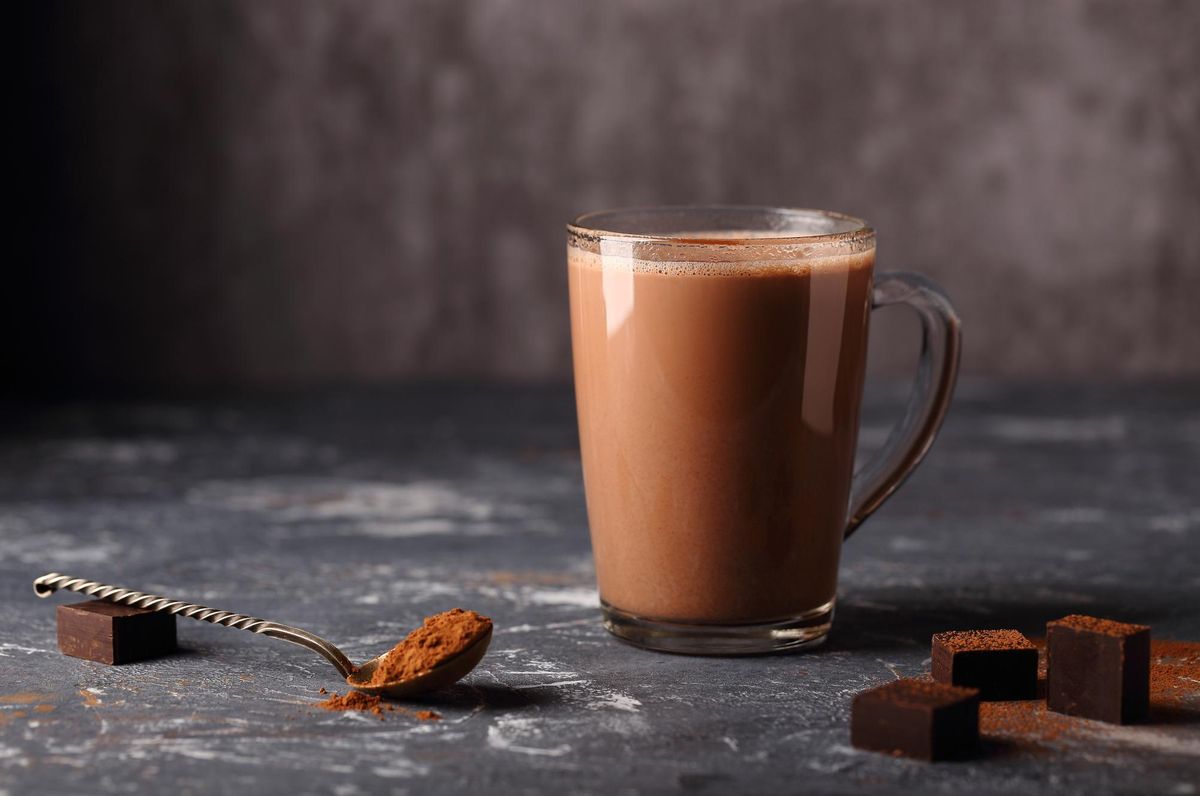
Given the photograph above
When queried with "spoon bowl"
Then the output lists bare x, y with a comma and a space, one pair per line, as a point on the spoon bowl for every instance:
444, 674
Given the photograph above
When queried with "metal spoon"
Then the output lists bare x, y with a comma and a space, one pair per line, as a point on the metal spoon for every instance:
442, 675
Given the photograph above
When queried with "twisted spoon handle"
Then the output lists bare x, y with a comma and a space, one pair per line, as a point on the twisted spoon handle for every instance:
49, 583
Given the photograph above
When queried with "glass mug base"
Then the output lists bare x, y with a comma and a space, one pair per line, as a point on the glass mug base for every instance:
793, 634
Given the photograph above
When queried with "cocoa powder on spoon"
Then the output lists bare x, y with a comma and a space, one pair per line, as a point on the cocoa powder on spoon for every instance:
438, 639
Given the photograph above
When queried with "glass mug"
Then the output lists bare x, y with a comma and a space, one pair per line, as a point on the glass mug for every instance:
719, 355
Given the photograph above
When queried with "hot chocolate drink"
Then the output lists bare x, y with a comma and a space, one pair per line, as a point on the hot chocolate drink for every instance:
718, 389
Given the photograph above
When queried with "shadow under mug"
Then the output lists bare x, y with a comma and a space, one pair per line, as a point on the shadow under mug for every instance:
719, 355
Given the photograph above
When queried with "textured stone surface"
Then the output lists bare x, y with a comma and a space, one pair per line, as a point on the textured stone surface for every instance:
289, 191
356, 514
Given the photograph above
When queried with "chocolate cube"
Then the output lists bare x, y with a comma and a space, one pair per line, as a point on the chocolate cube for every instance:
1002, 664
916, 718
109, 633
1098, 669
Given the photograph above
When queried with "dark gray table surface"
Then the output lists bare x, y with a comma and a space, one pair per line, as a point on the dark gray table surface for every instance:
355, 514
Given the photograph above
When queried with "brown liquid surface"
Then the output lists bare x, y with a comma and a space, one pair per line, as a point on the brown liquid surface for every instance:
718, 412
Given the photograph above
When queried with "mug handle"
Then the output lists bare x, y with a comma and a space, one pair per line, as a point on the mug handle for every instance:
937, 371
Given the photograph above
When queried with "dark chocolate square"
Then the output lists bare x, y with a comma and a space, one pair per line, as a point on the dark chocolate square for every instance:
1098, 669
916, 718
1002, 664
109, 633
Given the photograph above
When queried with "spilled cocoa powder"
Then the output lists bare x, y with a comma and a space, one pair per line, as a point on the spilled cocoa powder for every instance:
439, 638
356, 700
1029, 726
1025, 723
1174, 671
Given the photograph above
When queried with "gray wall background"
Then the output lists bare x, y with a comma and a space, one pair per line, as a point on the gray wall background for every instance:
285, 192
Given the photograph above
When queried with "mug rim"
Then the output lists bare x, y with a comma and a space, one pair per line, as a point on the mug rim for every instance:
585, 226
